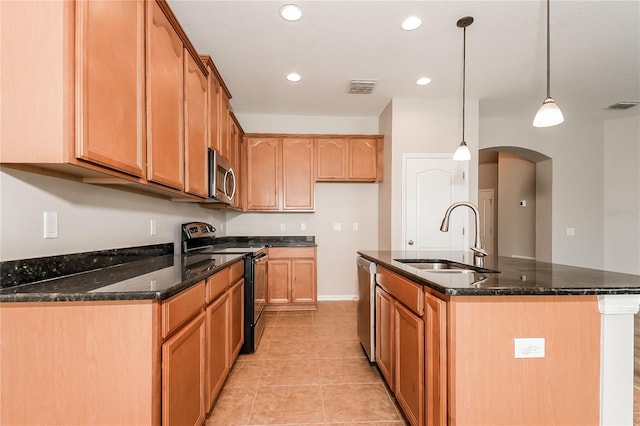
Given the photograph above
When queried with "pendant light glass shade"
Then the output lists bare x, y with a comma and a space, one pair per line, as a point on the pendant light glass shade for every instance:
462, 153
549, 113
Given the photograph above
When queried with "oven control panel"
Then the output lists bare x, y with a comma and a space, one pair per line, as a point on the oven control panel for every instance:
198, 230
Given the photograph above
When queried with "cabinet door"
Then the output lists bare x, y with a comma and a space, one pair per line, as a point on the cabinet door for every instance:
183, 375
303, 281
332, 155
217, 365
236, 326
234, 157
435, 322
165, 108
262, 174
223, 123
298, 179
363, 159
278, 281
212, 106
110, 61
195, 116
385, 335
409, 364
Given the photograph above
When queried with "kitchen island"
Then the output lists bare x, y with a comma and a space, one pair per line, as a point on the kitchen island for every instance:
516, 342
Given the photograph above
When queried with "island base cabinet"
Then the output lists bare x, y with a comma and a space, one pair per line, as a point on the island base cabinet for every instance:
183, 374
435, 360
384, 335
409, 363
561, 388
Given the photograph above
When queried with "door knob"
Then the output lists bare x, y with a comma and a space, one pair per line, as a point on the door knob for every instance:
410, 242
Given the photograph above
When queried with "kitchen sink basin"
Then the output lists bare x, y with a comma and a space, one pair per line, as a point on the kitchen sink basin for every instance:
444, 266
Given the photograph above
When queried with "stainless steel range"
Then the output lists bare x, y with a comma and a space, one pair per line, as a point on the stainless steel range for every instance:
198, 239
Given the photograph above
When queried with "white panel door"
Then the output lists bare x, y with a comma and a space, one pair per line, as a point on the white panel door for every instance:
431, 183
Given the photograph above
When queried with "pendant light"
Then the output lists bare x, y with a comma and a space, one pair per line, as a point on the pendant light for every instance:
549, 113
463, 153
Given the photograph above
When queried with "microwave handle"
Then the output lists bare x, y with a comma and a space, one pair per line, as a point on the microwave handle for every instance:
233, 191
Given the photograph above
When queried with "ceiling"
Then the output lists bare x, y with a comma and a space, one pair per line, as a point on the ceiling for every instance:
595, 54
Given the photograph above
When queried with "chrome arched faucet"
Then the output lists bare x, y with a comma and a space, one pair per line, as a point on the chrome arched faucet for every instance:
479, 252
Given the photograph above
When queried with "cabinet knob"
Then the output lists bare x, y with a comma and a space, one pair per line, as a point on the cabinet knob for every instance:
410, 242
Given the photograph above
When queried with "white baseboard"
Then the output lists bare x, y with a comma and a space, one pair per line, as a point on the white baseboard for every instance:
338, 297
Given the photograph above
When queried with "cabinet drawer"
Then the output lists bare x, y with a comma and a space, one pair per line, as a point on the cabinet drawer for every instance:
291, 252
236, 271
408, 293
216, 284
180, 308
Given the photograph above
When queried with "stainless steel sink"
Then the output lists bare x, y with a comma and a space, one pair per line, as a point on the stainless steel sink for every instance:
444, 266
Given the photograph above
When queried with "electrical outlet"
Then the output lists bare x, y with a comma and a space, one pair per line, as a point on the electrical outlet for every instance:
303, 226
529, 347
571, 232
355, 226
283, 227
337, 226
152, 227
50, 225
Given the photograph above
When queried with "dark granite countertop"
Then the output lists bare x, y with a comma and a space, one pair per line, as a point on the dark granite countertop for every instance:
133, 273
516, 277
154, 278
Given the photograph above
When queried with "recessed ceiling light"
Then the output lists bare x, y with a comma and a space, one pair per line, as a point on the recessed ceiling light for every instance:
294, 77
423, 81
411, 23
291, 12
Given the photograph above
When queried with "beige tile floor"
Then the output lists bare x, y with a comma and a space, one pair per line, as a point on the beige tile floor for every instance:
309, 369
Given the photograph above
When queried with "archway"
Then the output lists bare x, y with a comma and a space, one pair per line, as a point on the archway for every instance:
518, 181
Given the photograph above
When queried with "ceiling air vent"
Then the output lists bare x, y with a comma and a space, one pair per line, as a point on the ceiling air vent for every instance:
362, 87
623, 105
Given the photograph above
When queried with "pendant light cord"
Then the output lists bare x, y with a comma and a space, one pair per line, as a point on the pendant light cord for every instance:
548, 53
464, 79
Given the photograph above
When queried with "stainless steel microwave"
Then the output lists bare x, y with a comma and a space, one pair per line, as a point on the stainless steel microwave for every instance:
222, 178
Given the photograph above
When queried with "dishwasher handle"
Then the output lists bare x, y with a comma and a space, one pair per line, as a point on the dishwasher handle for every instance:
366, 265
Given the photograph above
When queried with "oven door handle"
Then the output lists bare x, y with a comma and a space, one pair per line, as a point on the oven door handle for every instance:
260, 257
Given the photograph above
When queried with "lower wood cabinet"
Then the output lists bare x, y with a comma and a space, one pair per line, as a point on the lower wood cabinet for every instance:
224, 327
217, 325
183, 367
411, 347
236, 319
409, 363
384, 335
292, 278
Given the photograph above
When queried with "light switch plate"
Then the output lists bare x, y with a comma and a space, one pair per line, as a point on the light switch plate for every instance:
50, 225
337, 226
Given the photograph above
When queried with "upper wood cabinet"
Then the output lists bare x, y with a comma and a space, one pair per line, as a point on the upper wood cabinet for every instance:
196, 123
298, 183
165, 100
110, 75
235, 147
349, 159
262, 174
279, 174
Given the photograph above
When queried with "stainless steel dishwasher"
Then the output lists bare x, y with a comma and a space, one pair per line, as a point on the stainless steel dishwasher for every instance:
367, 306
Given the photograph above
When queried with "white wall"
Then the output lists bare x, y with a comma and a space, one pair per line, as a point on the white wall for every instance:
516, 223
621, 155
426, 126
89, 217
344, 203
576, 148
